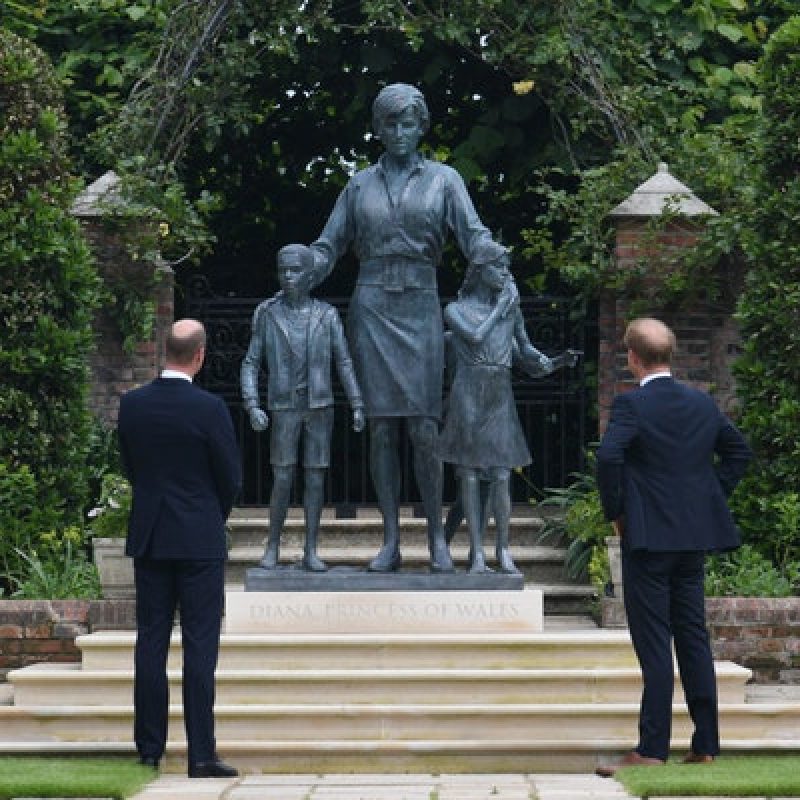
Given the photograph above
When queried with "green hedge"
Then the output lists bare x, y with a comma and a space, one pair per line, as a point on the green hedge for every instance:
768, 374
48, 294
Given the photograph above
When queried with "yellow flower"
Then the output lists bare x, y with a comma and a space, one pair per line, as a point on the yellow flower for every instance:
523, 87
163, 230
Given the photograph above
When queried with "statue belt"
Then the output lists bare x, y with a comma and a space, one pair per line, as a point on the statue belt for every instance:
397, 275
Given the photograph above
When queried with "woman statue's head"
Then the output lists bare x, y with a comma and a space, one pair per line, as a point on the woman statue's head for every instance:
396, 98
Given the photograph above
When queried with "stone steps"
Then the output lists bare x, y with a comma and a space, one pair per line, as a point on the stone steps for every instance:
557, 700
48, 684
587, 648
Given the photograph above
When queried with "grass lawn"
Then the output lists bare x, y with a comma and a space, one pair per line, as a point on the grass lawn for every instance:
72, 777
731, 776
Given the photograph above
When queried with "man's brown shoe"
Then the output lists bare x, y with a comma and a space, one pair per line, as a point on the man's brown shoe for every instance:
632, 759
697, 758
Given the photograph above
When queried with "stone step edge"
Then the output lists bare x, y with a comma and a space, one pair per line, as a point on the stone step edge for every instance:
367, 523
223, 711
369, 746
44, 672
590, 637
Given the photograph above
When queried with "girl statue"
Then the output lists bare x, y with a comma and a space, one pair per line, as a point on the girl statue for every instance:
482, 434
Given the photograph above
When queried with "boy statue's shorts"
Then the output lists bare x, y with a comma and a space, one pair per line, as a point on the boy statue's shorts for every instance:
316, 427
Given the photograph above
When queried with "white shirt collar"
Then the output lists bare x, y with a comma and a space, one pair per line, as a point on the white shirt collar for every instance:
648, 378
174, 373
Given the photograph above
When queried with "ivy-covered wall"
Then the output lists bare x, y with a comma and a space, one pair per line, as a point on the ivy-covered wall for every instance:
116, 364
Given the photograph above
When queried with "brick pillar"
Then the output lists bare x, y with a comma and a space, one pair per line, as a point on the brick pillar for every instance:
707, 335
113, 369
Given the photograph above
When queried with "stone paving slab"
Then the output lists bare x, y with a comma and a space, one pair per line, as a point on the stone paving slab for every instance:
386, 787
396, 787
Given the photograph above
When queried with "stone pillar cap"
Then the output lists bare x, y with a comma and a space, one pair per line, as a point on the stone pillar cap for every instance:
662, 193
98, 196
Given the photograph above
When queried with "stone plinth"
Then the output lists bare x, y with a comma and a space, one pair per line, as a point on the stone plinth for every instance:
398, 612
292, 578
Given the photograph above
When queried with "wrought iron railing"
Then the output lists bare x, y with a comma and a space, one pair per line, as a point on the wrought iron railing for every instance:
555, 411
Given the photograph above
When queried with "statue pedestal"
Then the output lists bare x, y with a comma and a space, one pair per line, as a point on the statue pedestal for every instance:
351, 579
384, 612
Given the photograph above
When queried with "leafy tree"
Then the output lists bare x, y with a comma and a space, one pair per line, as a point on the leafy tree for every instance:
769, 314
48, 293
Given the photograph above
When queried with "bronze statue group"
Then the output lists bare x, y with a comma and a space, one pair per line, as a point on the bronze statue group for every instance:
396, 215
667, 461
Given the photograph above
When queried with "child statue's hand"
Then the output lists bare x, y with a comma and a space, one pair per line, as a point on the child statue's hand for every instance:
259, 421
358, 420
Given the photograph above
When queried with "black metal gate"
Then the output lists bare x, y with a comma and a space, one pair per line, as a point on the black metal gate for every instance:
554, 410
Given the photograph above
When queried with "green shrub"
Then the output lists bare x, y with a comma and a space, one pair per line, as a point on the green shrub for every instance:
21, 520
584, 527
64, 574
766, 503
747, 573
110, 516
59, 568
48, 294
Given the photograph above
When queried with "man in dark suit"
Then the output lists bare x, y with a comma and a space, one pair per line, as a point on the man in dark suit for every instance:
667, 462
180, 454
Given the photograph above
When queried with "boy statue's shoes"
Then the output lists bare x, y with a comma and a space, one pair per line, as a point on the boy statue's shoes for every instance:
212, 769
632, 759
149, 761
697, 758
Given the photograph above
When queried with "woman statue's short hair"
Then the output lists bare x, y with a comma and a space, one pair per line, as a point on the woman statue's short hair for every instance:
396, 98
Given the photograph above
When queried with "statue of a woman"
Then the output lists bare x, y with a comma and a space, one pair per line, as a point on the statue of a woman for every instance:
397, 215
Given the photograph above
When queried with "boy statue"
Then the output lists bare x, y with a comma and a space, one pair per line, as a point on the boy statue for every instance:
294, 336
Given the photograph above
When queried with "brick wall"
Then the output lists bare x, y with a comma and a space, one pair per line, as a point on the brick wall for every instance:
44, 630
708, 340
760, 633
113, 370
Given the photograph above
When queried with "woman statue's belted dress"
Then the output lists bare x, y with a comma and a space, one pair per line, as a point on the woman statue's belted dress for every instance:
397, 222
394, 323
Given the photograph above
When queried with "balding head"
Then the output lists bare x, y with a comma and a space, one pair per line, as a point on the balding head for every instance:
185, 343
651, 341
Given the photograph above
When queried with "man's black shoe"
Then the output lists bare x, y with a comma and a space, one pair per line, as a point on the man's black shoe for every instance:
149, 761
212, 769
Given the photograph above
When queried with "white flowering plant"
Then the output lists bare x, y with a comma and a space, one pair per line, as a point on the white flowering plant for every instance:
109, 518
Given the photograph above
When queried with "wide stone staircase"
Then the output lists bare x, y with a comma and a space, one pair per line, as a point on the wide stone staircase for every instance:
562, 699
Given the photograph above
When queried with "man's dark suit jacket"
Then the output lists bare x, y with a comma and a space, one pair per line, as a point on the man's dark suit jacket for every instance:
179, 451
656, 467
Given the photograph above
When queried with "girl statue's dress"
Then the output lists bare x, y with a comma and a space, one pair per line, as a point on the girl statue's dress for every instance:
482, 427
482, 435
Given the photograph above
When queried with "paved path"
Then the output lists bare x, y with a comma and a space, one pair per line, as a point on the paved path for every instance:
386, 787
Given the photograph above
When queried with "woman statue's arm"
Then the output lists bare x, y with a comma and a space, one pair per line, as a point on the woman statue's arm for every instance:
335, 237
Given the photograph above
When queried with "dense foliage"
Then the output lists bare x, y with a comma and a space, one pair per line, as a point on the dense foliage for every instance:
240, 121
768, 374
552, 112
48, 292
